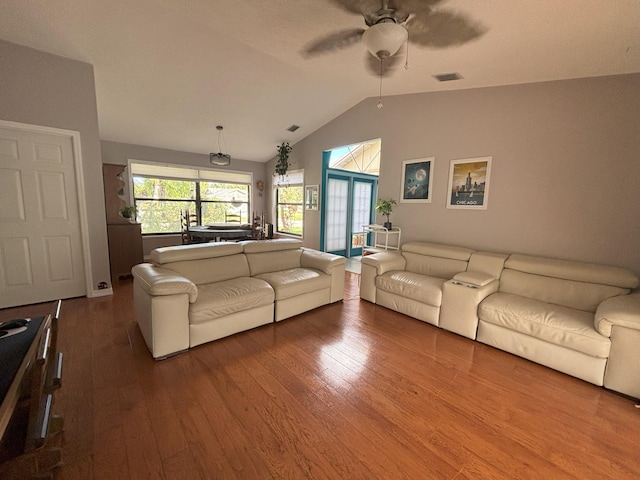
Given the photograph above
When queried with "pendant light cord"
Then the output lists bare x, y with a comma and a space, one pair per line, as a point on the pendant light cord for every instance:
219, 128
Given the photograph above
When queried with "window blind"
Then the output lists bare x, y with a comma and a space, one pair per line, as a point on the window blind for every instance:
175, 172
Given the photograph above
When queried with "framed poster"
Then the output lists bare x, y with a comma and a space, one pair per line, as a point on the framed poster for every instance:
469, 183
311, 197
417, 180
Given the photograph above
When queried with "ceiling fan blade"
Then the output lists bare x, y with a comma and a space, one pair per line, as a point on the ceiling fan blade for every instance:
362, 7
366, 8
442, 29
388, 66
407, 7
333, 42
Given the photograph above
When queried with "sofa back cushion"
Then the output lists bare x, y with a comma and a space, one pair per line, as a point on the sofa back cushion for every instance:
268, 262
204, 263
489, 263
210, 270
272, 255
435, 260
576, 285
164, 255
260, 246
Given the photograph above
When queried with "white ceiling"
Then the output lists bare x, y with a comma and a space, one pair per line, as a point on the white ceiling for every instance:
168, 71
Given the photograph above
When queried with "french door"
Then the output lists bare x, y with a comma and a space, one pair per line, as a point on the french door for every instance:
348, 206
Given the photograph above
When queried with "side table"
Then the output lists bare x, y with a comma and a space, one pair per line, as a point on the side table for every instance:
380, 239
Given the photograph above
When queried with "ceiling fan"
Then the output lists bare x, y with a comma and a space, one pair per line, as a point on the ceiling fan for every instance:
391, 23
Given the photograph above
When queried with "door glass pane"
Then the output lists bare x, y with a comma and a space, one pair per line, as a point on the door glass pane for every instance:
336, 214
361, 212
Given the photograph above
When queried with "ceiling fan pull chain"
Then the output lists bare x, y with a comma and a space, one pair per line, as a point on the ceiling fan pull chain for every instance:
380, 97
406, 61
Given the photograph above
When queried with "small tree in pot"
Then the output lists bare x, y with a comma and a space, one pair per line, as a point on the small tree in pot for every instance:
385, 207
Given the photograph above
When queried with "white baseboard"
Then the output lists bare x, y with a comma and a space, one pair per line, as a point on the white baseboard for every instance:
103, 292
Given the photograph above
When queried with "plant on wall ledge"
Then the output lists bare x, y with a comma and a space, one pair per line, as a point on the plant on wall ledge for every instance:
129, 212
282, 165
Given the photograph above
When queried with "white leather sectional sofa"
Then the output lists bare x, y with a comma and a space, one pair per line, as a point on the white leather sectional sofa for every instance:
580, 319
194, 294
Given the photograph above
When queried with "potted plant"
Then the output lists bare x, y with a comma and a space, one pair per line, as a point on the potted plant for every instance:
129, 212
282, 165
385, 207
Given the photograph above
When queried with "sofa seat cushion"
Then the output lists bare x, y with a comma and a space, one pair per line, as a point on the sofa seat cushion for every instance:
422, 288
296, 281
230, 296
555, 324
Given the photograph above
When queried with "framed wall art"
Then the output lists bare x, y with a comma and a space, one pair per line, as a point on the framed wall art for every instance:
311, 197
469, 183
417, 180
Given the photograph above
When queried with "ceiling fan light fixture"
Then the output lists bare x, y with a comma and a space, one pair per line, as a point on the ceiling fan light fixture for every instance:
384, 39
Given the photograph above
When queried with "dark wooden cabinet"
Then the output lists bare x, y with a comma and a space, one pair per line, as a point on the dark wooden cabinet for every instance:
113, 192
31, 373
125, 248
125, 238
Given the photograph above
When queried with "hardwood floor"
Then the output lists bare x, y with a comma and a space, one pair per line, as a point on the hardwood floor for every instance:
347, 391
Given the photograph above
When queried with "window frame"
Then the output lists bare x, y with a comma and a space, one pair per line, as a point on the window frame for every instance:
195, 175
295, 180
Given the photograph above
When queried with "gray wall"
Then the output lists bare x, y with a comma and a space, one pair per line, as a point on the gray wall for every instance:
566, 157
42, 89
565, 173
118, 154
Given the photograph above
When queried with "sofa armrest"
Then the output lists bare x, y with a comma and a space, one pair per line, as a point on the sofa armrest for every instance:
331, 265
158, 281
325, 262
374, 265
161, 303
619, 319
385, 262
622, 311
460, 299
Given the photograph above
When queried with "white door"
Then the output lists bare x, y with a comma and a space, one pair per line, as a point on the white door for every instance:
41, 256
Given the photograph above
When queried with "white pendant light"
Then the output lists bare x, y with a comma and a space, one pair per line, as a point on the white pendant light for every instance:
384, 39
221, 159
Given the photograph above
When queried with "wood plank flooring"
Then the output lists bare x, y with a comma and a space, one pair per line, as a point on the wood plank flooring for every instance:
347, 391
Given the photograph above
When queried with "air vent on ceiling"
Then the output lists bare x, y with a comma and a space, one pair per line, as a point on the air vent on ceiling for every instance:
293, 128
447, 77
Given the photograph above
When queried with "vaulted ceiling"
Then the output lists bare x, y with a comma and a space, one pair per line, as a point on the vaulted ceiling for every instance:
167, 72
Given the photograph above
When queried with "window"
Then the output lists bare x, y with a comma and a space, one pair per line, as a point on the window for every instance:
290, 205
222, 202
159, 202
162, 192
362, 157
